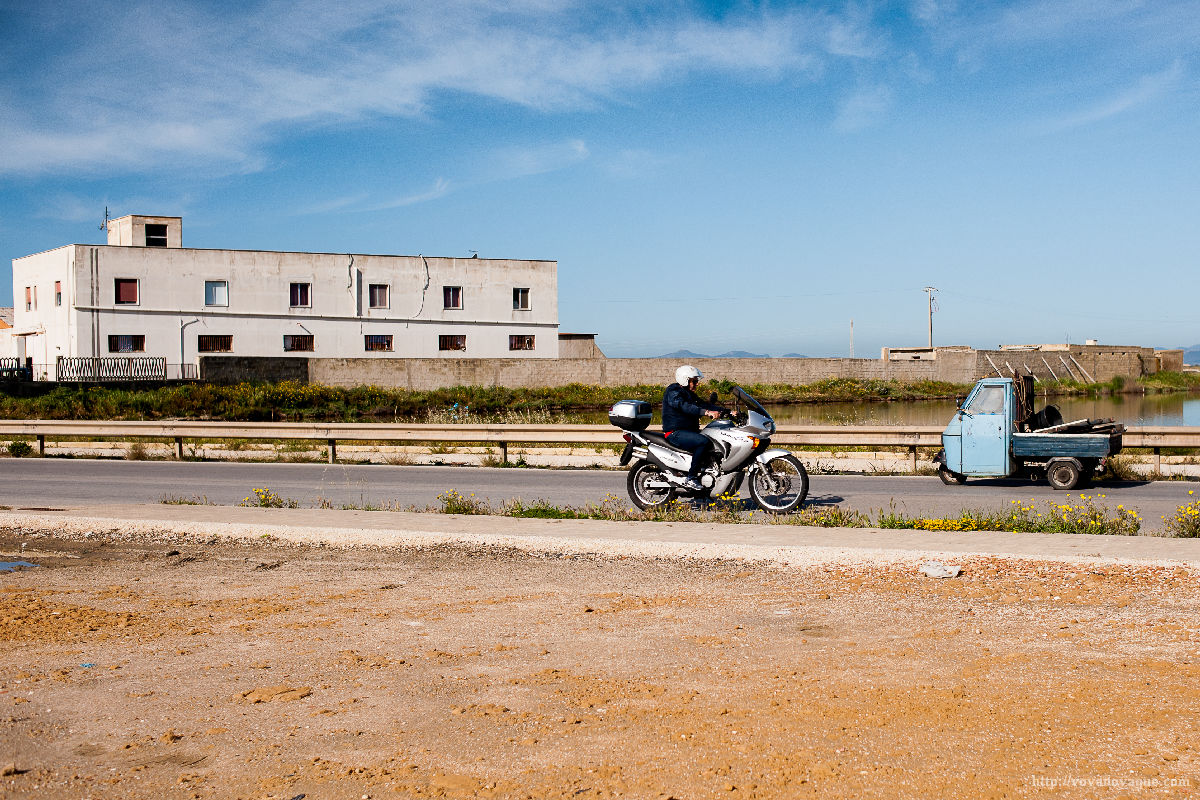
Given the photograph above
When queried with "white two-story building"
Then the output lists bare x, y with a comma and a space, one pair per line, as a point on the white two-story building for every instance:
145, 294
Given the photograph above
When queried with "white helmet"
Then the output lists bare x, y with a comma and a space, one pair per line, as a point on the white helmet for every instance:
686, 373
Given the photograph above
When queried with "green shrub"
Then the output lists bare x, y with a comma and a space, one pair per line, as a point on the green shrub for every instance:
19, 449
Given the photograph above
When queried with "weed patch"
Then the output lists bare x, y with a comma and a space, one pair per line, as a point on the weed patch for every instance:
455, 502
1084, 516
179, 500
265, 498
1120, 468
1185, 522
137, 452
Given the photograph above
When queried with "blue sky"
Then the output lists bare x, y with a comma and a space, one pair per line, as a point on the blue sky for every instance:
709, 176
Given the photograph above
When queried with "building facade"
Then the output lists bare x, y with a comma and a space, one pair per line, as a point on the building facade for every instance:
144, 294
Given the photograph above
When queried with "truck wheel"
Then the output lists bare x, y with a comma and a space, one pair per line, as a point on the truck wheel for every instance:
950, 478
1063, 475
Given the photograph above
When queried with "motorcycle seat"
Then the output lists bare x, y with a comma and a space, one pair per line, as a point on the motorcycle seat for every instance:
663, 439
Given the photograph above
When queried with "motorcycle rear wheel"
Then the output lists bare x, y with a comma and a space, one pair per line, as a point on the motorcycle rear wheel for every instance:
645, 496
780, 485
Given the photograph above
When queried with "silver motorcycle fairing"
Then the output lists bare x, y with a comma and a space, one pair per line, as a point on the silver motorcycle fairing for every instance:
669, 458
729, 482
731, 442
767, 455
759, 425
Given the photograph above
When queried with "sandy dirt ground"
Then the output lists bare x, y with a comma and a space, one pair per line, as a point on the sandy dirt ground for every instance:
176, 668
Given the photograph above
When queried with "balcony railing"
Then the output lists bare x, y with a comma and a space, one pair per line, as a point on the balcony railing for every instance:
98, 370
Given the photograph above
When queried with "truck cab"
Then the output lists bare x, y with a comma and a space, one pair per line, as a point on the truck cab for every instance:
978, 440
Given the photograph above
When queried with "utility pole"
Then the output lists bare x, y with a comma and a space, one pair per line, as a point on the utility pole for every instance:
929, 290
852, 337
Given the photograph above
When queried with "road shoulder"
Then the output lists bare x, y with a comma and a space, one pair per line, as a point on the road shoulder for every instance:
785, 544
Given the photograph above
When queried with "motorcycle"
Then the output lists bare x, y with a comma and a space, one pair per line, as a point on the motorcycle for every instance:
741, 450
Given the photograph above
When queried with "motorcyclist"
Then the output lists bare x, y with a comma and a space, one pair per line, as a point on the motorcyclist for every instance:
681, 412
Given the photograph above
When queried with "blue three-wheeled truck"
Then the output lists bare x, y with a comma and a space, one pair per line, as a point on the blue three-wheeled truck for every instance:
995, 434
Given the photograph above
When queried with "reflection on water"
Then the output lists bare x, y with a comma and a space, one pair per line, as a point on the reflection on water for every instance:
1131, 409
1176, 409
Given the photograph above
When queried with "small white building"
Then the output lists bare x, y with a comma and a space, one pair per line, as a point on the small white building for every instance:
146, 294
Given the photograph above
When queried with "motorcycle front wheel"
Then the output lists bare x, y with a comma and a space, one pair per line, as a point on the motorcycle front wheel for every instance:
641, 491
780, 485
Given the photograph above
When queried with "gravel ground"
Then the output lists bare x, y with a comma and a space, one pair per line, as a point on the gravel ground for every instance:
177, 665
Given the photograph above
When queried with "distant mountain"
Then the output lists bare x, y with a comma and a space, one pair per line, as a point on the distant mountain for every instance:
793, 355
683, 354
1191, 355
741, 354
731, 354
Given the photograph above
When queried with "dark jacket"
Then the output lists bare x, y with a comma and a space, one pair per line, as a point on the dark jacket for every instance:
682, 409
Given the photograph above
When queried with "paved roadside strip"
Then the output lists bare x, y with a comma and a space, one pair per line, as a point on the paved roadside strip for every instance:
785, 544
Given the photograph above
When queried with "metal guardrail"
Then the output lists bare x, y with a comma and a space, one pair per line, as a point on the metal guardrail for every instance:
911, 437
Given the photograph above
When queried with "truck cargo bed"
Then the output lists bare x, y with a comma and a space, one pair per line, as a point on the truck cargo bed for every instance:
1079, 445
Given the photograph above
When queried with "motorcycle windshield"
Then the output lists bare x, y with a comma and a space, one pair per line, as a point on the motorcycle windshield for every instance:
750, 402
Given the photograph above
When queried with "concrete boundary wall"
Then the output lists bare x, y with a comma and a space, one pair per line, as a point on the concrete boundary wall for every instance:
954, 365
422, 374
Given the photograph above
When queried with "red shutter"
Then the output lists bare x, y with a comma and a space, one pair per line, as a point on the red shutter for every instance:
126, 291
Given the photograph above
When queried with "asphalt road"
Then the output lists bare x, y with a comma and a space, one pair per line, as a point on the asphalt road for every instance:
52, 482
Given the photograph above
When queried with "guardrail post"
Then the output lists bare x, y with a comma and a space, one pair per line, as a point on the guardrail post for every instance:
1158, 461
179, 448
41, 444
504, 452
912, 459
332, 451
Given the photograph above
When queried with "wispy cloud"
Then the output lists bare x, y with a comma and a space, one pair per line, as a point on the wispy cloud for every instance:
518, 162
863, 108
439, 189
1046, 19
632, 163
504, 164
1117, 32
333, 204
197, 83
932, 11
74, 208
1148, 89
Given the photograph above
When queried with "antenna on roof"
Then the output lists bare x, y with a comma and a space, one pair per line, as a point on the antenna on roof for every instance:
104, 227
